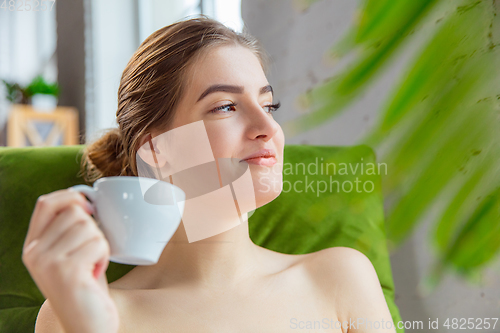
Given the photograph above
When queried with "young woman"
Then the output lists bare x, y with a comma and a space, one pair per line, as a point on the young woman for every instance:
193, 70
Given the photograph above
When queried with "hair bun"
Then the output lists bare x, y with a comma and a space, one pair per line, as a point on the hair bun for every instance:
105, 157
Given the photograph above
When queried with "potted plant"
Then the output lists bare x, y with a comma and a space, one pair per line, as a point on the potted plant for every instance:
43, 95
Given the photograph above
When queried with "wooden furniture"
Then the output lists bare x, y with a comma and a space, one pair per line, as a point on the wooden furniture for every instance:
21, 126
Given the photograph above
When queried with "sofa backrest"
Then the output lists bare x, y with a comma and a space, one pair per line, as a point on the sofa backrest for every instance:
318, 208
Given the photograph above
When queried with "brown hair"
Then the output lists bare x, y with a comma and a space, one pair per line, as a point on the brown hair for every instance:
151, 87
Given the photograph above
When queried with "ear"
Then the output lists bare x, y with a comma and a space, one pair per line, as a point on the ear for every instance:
150, 152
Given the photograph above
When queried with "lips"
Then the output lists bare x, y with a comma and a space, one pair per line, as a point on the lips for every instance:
265, 153
265, 157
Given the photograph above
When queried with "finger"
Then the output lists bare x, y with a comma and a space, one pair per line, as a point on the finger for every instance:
100, 268
95, 251
65, 220
47, 207
78, 234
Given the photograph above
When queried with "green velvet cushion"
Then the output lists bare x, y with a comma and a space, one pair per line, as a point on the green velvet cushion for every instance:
300, 220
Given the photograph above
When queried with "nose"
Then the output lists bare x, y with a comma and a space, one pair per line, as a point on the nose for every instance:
261, 124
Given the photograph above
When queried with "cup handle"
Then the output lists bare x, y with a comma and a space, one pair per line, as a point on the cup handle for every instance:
88, 191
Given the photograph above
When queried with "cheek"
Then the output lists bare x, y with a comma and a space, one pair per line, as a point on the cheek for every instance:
223, 138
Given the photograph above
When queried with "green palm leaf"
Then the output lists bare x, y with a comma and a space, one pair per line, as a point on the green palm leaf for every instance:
382, 27
439, 128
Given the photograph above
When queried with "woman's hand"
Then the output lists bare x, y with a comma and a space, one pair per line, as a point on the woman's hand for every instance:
65, 253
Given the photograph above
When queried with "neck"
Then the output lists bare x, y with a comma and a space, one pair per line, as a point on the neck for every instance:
220, 261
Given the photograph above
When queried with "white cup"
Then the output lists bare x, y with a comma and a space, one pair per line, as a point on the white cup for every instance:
137, 215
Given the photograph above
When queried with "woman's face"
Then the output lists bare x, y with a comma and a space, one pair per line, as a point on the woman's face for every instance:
244, 123
237, 119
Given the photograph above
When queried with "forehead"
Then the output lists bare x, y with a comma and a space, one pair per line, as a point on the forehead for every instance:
226, 65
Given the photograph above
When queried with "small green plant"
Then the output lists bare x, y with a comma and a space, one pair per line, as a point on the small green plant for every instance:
40, 86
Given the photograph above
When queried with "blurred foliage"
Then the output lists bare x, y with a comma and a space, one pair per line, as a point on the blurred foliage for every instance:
15, 93
438, 129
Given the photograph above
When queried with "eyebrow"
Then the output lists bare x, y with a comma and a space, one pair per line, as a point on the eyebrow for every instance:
232, 89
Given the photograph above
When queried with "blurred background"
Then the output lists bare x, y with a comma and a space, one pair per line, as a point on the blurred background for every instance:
418, 81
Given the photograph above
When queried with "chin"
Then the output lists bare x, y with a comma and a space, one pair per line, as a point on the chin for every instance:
267, 186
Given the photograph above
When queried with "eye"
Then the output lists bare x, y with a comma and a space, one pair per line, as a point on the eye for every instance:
222, 107
273, 107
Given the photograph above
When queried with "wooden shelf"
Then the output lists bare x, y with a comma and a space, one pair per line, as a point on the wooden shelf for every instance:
21, 127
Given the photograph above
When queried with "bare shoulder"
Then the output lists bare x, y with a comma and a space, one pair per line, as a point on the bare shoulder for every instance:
346, 254
338, 262
348, 277
47, 320
331, 269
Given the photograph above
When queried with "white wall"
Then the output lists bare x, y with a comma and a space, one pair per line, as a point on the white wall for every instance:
111, 38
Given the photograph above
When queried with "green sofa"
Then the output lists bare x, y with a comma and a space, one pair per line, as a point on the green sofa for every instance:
300, 220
